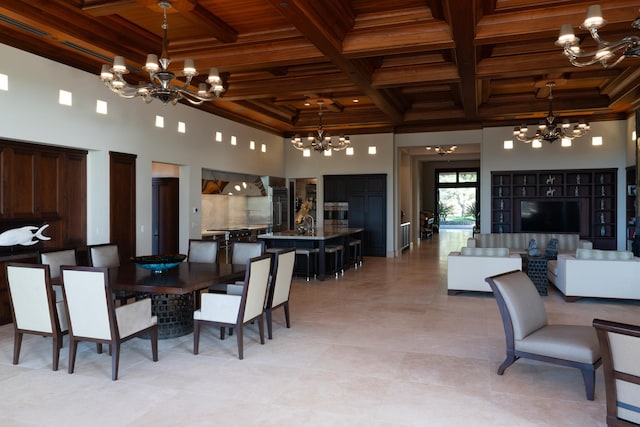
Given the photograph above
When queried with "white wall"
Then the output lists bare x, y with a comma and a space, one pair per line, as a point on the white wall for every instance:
29, 112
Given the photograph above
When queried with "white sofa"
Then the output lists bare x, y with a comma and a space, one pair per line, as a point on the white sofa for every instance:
467, 269
519, 242
596, 273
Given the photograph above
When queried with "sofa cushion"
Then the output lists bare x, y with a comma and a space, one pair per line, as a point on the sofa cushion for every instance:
600, 254
484, 251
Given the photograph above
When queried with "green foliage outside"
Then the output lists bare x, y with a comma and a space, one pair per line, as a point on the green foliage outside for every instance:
457, 206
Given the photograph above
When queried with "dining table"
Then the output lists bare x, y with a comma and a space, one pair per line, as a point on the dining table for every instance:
175, 292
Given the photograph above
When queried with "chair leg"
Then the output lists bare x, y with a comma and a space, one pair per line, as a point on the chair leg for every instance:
222, 332
511, 358
154, 343
589, 378
269, 323
196, 336
99, 348
57, 343
115, 359
17, 344
73, 346
286, 314
261, 328
239, 338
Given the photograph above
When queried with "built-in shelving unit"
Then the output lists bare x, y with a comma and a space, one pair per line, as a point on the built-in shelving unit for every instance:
594, 188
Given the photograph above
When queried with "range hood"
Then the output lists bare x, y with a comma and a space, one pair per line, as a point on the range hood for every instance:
232, 184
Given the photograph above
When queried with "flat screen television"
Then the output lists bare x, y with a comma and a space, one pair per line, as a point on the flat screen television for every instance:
550, 216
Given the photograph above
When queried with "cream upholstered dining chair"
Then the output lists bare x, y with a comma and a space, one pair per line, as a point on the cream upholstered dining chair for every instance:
280, 286
108, 255
241, 252
54, 259
235, 311
620, 345
203, 251
93, 316
34, 307
529, 335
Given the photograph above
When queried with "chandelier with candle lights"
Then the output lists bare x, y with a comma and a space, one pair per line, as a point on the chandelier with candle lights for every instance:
320, 140
549, 130
162, 84
608, 54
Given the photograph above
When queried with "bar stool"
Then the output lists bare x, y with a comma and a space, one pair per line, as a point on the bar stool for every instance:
307, 252
355, 252
337, 251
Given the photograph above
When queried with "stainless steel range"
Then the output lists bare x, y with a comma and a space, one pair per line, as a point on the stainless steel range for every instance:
231, 234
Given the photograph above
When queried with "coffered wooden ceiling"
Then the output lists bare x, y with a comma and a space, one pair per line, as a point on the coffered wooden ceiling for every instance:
412, 65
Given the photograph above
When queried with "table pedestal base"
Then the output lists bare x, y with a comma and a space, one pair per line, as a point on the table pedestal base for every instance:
175, 314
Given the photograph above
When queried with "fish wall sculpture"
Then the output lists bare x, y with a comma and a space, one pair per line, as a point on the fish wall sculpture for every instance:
24, 236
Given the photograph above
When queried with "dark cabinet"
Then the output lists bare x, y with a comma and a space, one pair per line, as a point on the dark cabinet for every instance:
41, 185
367, 198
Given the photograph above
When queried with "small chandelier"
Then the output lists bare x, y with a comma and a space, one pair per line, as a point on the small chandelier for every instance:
441, 150
608, 54
549, 130
321, 140
162, 83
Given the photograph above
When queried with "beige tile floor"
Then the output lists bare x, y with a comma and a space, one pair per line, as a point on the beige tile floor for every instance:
382, 346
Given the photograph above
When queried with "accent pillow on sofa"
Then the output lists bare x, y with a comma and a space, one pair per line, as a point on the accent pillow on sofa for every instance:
465, 251
600, 254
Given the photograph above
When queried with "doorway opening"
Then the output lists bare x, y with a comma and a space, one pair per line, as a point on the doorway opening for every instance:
458, 198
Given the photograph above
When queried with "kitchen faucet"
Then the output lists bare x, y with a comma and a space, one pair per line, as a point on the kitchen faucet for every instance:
313, 226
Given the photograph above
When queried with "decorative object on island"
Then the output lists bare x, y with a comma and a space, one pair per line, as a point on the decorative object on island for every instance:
304, 221
549, 130
24, 236
608, 54
321, 140
162, 83
158, 263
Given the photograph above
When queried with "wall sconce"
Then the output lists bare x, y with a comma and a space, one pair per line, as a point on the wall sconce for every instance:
508, 145
596, 140
372, 150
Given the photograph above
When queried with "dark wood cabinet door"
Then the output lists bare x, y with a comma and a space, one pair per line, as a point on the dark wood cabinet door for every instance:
165, 219
22, 197
122, 203
367, 198
47, 184
75, 200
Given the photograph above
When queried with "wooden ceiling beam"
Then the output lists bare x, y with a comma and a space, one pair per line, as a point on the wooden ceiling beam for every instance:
310, 18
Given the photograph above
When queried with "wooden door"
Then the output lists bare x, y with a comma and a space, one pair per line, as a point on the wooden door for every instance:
122, 202
165, 217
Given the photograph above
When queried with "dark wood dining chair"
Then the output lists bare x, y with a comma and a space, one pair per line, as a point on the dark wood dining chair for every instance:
108, 255
620, 345
280, 287
236, 311
94, 317
34, 307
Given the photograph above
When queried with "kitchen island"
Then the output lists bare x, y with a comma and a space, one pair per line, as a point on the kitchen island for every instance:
319, 238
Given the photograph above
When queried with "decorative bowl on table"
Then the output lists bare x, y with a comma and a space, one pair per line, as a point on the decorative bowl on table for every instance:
159, 263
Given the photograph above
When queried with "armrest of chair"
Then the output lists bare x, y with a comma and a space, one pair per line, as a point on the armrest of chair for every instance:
134, 317
471, 242
219, 308
585, 244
